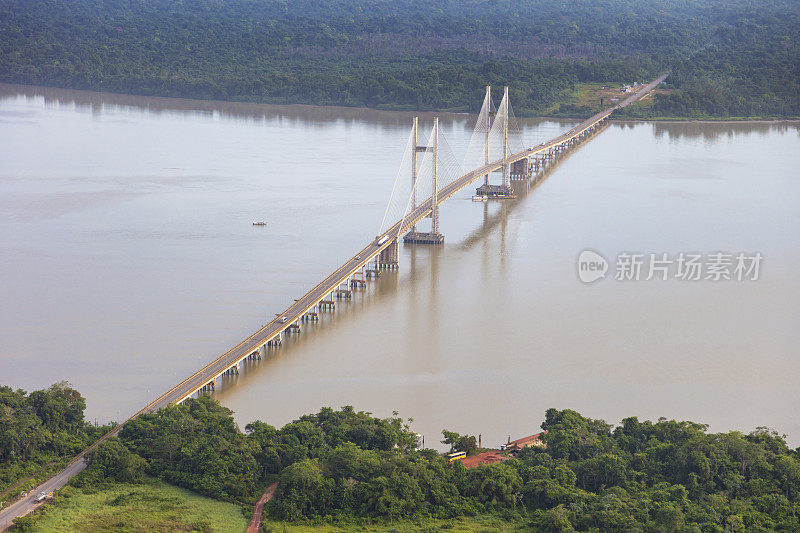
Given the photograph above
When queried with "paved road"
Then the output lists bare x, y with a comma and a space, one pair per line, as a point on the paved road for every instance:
27, 504
294, 312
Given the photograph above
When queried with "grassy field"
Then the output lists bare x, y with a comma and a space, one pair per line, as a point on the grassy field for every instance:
586, 98
462, 525
154, 506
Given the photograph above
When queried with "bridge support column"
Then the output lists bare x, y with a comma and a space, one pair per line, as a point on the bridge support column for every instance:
344, 293
373, 272
389, 257
519, 169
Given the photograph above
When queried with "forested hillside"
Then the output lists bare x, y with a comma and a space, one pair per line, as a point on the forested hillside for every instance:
409, 54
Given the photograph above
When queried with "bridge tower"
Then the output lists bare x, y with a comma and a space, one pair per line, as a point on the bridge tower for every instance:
432, 237
414, 152
504, 190
505, 139
487, 102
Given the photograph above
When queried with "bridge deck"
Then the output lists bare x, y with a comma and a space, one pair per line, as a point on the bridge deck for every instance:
300, 307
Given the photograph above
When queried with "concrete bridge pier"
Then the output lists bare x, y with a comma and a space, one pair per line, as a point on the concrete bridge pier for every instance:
519, 169
344, 293
373, 272
389, 257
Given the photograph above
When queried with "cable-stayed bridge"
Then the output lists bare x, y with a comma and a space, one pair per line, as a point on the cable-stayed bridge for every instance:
429, 175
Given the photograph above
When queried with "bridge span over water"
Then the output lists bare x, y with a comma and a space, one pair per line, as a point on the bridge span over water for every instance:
529, 164
428, 181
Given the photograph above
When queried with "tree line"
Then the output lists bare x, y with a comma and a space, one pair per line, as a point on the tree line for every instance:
347, 467
411, 55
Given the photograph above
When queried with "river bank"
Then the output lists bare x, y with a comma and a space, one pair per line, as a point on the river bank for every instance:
83, 97
348, 470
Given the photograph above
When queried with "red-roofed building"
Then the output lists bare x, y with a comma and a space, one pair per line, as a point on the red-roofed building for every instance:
525, 442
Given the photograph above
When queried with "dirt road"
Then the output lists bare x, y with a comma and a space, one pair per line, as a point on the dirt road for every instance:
258, 510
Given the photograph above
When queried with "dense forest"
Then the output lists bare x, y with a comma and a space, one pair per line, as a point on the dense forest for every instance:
728, 57
348, 467
40, 428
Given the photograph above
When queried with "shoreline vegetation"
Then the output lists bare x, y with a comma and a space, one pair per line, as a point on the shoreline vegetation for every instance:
11, 88
728, 58
346, 470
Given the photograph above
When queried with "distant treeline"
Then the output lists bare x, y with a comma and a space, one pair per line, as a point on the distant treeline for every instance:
409, 54
751, 69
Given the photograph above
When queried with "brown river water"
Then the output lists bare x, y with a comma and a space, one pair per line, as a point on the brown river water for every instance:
128, 259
